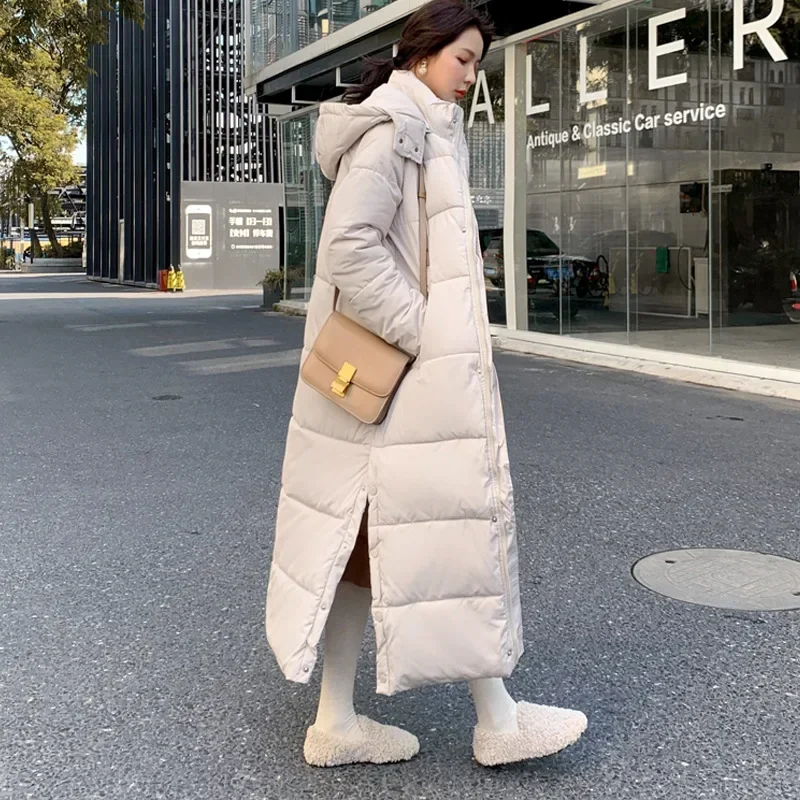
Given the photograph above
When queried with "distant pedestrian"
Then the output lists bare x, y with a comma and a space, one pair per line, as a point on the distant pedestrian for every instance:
414, 517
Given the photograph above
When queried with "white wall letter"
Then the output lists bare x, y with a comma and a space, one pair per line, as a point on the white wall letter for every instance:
760, 27
531, 109
588, 97
485, 105
656, 50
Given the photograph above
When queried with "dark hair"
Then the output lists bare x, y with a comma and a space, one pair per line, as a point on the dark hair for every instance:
429, 30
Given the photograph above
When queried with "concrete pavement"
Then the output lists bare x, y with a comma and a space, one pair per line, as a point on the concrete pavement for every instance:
141, 439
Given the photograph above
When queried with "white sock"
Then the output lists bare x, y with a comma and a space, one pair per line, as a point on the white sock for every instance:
496, 709
344, 631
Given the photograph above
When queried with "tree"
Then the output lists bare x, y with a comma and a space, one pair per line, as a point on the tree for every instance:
44, 69
42, 143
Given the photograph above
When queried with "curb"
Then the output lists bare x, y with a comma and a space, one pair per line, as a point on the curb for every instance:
719, 373
293, 308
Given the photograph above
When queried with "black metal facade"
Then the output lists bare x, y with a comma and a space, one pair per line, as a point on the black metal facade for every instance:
148, 130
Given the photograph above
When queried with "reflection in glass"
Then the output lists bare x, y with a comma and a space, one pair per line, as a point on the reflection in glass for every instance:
279, 28
485, 134
307, 192
674, 211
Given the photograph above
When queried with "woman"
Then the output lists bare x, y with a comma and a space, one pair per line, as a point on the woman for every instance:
413, 518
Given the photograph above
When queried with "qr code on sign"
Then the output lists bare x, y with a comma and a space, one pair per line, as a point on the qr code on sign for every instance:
198, 227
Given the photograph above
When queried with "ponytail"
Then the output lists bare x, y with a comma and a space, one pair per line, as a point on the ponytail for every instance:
376, 72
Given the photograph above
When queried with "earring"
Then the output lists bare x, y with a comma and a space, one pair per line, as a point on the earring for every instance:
422, 70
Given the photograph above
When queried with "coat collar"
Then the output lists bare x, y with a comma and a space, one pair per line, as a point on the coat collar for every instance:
443, 118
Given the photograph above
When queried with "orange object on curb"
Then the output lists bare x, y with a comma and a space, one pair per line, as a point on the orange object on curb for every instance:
163, 275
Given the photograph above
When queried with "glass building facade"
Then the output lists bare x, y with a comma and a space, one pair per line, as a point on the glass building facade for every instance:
635, 171
282, 27
306, 192
663, 179
167, 105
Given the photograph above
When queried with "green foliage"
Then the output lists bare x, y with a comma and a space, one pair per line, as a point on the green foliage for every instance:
273, 280
44, 70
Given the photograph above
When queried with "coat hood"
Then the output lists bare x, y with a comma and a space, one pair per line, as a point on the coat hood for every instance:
404, 100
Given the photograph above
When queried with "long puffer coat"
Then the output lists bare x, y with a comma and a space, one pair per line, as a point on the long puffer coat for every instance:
435, 473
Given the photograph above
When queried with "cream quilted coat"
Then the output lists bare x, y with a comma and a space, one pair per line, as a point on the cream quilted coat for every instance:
442, 534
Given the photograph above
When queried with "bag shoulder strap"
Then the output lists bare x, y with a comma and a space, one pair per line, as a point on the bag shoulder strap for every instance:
424, 254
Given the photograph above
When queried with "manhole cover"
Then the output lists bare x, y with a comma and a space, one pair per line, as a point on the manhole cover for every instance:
734, 579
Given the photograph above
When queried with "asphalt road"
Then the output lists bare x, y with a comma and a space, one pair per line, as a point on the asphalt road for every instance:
141, 438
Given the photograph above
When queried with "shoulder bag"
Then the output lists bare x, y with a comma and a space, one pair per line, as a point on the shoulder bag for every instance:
353, 367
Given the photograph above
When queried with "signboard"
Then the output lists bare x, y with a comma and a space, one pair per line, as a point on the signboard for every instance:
198, 226
230, 233
662, 41
252, 228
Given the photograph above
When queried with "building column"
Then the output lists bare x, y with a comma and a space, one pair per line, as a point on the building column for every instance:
515, 245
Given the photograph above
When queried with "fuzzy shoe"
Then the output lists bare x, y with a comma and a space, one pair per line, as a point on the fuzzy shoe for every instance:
542, 731
370, 743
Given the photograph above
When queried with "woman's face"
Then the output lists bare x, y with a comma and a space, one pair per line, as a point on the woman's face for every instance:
452, 71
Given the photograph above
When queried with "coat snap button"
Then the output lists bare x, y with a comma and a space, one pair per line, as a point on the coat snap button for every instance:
378, 616
494, 519
305, 669
401, 140
324, 606
373, 553
510, 653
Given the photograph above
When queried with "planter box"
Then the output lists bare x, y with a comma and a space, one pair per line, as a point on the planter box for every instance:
271, 297
44, 265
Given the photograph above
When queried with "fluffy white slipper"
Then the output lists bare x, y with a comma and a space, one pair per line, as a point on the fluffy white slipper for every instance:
370, 743
541, 731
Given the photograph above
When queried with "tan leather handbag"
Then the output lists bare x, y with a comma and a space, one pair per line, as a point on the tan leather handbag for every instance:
353, 367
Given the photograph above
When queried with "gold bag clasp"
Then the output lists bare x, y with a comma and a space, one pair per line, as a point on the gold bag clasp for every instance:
343, 379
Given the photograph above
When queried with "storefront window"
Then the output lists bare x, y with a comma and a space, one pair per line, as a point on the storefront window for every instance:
755, 208
666, 182
307, 192
576, 184
485, 132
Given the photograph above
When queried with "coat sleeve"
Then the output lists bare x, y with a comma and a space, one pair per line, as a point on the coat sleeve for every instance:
359, 217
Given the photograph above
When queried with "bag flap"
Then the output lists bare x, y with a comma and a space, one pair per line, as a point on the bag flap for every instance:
379, 366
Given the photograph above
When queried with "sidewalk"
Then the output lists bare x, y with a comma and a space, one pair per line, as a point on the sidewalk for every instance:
67, 286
